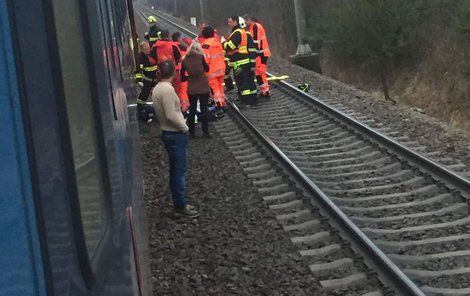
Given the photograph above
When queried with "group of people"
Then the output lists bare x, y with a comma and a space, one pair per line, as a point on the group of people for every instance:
182, 74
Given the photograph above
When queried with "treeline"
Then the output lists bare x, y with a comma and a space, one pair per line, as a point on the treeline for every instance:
277, 15
381, 36
416, 51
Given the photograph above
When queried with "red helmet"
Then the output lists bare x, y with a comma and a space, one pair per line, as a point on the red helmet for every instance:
188, 41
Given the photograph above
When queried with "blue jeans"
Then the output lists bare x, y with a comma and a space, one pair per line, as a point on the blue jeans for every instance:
176, 145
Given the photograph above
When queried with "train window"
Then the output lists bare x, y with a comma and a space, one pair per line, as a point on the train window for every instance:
81, 120
109, 52
117, 41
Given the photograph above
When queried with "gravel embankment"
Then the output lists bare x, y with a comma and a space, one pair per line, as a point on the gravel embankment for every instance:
234, 248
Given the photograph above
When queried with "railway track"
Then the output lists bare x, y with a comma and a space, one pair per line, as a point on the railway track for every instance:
413, 209
331, 259
339, 269
419, 221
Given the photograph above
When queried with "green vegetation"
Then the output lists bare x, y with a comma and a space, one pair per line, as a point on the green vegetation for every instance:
462, 21
379, 35
416, 51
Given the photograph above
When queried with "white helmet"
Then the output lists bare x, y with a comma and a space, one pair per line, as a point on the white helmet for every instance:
241, 22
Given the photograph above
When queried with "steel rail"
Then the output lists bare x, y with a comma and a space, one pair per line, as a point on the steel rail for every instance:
388, 269
446, 175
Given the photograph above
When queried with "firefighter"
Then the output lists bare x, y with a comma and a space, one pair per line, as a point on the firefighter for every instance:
149, 79
259, 36
154, 33
251, 45
215, 58
241, 60
228, 82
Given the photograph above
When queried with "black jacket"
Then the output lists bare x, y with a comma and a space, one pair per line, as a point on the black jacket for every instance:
234, 41
153, 35
149, 69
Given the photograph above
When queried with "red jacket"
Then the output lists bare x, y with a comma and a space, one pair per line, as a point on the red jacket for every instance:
165, 50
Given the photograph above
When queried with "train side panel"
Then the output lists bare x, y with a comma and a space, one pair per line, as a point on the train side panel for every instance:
21, 259
75, 69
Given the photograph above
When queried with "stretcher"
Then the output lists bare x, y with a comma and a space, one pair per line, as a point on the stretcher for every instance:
273, 78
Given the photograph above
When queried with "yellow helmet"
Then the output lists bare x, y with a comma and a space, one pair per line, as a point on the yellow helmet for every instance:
151, 19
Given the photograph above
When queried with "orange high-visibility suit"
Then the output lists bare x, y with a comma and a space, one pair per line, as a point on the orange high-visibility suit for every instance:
166, 50
215, 58
259, 36
182, 89
201, 38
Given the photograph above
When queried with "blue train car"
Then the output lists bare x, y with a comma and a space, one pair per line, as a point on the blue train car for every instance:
71, 204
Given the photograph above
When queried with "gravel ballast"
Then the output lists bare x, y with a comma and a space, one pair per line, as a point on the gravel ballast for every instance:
435, 135
424, 130
428, 131
234, 248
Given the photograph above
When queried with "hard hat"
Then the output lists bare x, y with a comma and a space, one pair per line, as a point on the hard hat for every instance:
241, 22
187, 40
151, 19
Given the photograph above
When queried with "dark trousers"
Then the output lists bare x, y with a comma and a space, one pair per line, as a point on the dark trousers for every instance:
203, 101
247, 90
146, 89
176, 144
227, 78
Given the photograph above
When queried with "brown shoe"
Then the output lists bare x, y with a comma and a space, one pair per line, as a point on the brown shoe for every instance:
188, 211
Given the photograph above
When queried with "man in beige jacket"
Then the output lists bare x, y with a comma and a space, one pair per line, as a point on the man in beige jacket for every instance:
174, 136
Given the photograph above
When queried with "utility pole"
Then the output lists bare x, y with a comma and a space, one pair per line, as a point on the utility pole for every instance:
175, 7
302, 46
304, 56
201, 5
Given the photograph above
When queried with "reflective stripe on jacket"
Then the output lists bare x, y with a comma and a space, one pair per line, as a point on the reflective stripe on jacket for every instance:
236, 47
232, 47
259, 36
148, 68
215, 57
